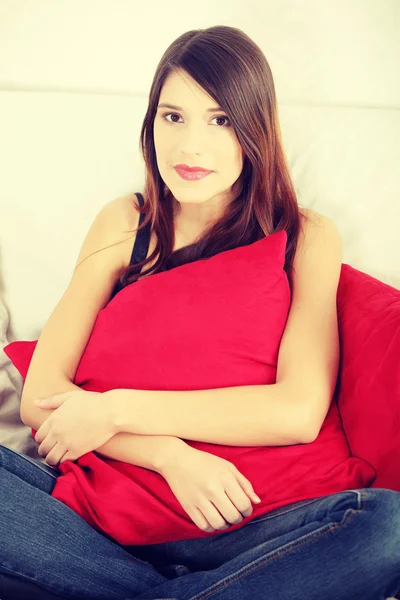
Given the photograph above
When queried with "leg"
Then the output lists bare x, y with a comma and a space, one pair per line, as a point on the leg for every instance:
341, 546
45, 542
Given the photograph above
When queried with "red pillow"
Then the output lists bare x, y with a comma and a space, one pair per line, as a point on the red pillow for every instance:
212, 323
368, 390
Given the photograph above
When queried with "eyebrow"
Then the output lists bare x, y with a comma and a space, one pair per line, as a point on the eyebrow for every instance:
213, 109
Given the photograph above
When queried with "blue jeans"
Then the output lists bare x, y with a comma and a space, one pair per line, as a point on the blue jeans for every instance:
337, 547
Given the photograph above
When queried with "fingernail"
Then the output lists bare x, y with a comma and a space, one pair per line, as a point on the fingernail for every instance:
256, 498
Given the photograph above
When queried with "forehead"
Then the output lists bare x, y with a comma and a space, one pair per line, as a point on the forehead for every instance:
180, 89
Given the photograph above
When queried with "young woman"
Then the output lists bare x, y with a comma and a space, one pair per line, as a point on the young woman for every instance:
212, 105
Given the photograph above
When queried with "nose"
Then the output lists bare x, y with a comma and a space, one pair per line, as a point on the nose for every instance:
193, 140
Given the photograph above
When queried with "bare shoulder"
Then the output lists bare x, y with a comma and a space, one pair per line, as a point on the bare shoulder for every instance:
312, 217
125, 220
319, 249
317, 231
126, 211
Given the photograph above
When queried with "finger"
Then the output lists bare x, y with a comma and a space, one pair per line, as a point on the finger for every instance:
247, 487
227, 509
69, 456
55, 455
43, 431
210, 512
53, 401
47, 445
199, 519
239, 500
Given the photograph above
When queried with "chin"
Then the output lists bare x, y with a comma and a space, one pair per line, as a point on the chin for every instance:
184, 194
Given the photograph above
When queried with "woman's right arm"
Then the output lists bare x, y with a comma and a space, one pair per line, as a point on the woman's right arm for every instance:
66, 333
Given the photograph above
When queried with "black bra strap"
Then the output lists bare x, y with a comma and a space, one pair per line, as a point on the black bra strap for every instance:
142, 240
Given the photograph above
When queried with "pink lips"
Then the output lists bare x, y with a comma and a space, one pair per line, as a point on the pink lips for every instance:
191, 173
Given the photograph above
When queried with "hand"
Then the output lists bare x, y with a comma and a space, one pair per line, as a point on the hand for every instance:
212, 491
82, 422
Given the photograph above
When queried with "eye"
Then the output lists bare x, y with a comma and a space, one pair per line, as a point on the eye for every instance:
168, 114
176, 115
226, 119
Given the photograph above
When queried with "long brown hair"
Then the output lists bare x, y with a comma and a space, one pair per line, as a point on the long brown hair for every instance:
232, 69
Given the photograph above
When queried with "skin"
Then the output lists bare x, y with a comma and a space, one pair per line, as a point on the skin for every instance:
195, 137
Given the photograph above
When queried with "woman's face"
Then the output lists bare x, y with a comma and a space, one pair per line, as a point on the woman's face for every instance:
195, 136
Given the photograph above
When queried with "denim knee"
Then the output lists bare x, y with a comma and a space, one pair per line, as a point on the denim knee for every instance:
383, 507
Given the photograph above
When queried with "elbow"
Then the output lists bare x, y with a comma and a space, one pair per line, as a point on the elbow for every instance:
23, 413
310, 431
29, 413
27, 407
308, 437
25, 420
316, 416
22, 409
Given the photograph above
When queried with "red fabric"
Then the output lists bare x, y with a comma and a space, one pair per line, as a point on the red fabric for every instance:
211, 323
368, 389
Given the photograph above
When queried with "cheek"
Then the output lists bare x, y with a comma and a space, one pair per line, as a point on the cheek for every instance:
163, 143
158, 135
234, 157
